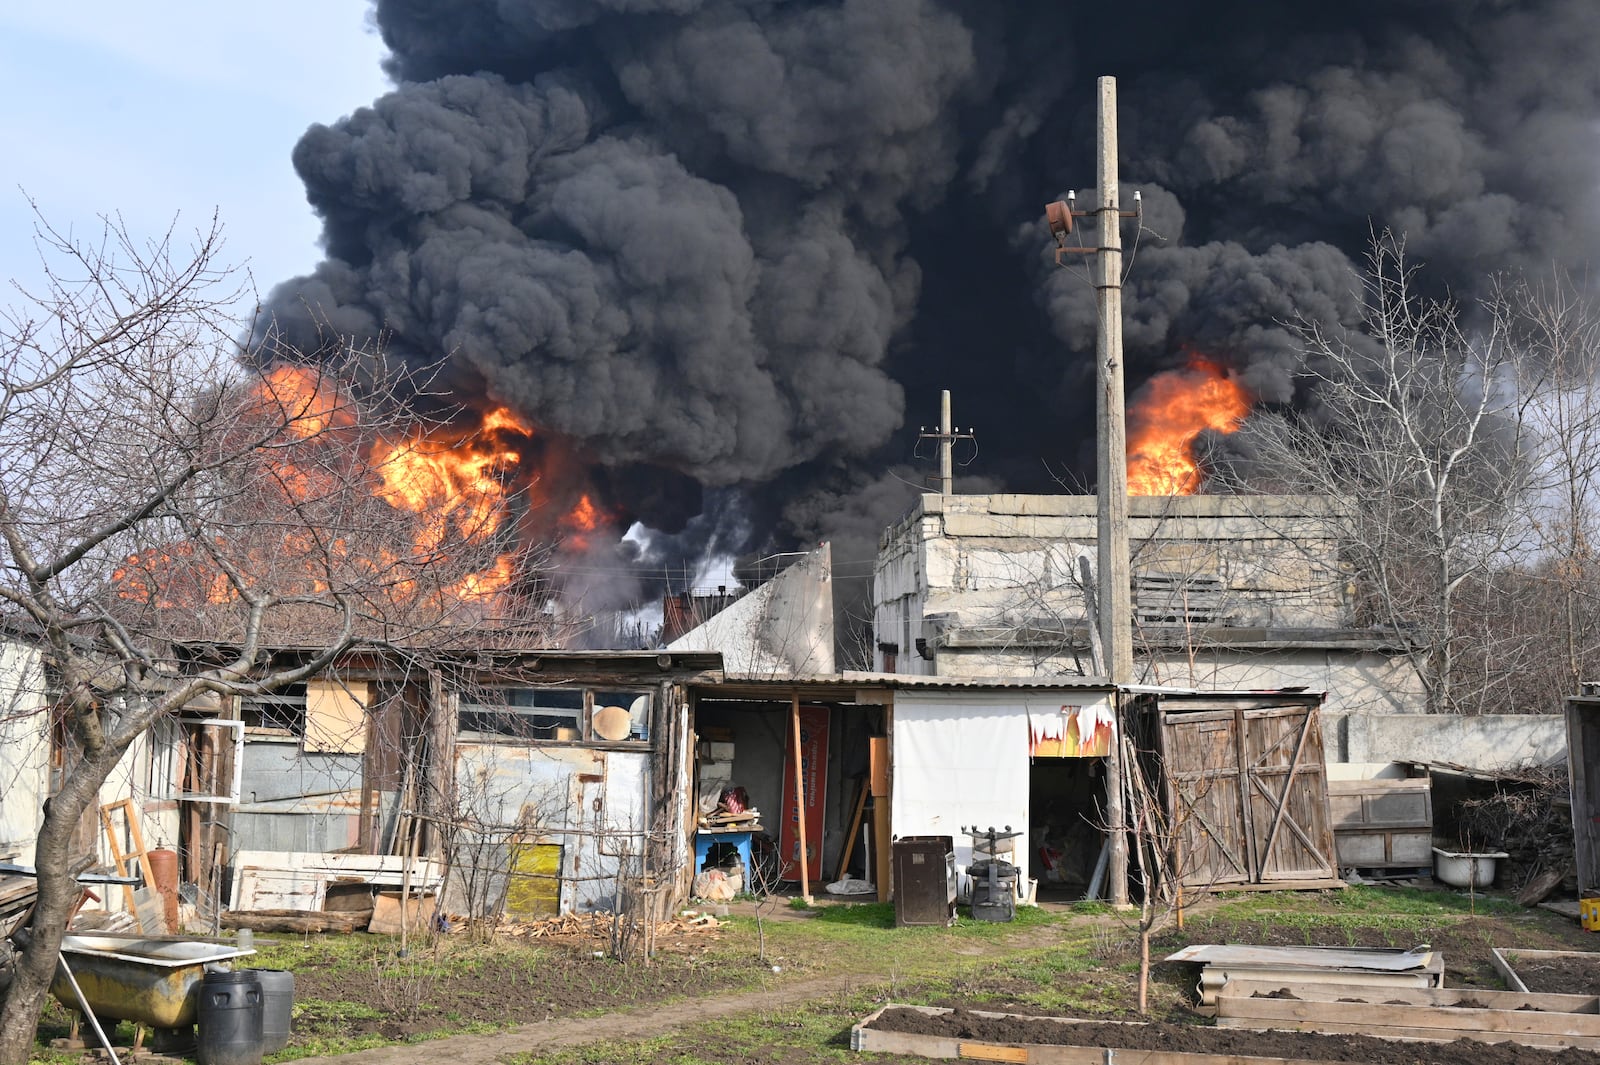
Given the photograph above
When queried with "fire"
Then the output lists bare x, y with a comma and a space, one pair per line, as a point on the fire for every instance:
460, 482
583, 518
460, 489
1167, 414
304, 397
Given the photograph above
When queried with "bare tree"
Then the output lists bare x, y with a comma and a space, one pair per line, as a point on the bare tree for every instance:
1422, 422
1559, 329
158, 489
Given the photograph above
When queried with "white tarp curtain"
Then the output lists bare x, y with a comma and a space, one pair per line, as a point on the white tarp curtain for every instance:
960, 761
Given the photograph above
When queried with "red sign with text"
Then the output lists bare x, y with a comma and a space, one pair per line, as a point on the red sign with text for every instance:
814, 773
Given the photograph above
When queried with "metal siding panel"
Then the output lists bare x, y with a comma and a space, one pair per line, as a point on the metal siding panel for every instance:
499, 783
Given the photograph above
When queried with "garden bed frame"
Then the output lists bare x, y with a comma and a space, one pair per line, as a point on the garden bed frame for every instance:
1432, 1014
865, 1038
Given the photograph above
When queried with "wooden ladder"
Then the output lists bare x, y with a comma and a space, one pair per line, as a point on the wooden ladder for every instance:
130, 817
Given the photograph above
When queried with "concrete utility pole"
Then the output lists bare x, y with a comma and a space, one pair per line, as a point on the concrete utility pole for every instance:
1111, 429
1114, 605
946, 477
1111, 458
946, 437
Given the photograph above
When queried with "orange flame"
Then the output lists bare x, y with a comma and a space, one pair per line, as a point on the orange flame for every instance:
305, 398
1167, 414
584, 517
460, 481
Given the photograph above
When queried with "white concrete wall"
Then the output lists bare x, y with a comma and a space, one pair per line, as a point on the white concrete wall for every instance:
1486, 742
992, 561
1368, 681
25, 743
25, 768
993, 586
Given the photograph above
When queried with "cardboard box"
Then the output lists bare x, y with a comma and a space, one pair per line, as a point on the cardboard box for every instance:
386, 913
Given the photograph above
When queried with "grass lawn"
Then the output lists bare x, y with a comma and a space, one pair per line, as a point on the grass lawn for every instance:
841, 962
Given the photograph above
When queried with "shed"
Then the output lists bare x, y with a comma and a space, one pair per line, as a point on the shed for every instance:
1245, 785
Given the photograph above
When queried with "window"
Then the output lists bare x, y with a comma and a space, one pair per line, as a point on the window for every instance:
524, 713
280, 711
565, 715
636, 703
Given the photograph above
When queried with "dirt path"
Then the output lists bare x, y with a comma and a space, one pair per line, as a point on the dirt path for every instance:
645, 1021
641, 1023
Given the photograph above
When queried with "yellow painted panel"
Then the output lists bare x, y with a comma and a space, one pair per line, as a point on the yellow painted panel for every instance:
535, 889
336, 716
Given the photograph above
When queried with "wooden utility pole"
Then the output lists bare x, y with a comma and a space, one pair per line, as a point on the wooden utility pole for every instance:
1111, 477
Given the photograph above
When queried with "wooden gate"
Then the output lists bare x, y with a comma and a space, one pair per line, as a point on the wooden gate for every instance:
1247, 792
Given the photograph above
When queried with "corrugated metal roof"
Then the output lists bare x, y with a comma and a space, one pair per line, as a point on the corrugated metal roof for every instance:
859, 679
914, 680
909, 681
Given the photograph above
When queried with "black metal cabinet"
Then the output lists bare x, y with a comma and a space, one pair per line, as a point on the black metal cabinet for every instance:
924, 880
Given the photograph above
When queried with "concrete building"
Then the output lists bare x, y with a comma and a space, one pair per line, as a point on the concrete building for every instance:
1230, 593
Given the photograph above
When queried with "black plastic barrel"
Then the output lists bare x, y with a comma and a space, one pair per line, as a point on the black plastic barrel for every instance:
230, 1019
277, 1003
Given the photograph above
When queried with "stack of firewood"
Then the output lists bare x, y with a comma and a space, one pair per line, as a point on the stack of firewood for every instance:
724, 818
598, 926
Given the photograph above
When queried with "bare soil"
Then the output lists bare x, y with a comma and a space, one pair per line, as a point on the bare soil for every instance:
561, 979
1569, 976
964, 1024
557, 988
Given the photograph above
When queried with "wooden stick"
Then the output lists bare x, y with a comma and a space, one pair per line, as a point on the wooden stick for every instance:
855, 827
800, 796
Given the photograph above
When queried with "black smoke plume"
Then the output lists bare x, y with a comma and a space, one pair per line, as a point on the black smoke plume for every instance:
731, 249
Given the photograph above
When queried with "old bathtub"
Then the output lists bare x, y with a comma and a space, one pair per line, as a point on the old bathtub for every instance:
153, 982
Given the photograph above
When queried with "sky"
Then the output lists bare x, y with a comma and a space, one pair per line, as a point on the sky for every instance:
174, 110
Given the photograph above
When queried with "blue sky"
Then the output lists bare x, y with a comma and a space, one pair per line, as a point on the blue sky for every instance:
174, 108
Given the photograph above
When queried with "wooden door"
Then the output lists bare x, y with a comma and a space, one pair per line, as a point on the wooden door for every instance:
1248, 795
1290, 832
1203, 797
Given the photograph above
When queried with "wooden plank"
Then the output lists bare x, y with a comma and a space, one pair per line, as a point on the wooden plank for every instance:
138, 853
1506, 960
855, 828
298, 920
863, 1037
1321, 884
991, 1052
1382, 1016
1583, 783
1283, 763
1389, 1031
1310, 988
1203, 796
